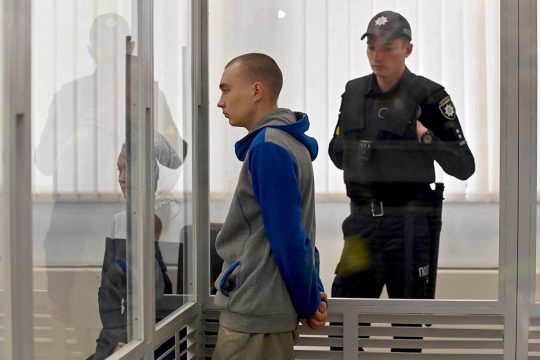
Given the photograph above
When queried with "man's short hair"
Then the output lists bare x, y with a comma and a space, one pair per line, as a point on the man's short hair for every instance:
108, 28
261, 67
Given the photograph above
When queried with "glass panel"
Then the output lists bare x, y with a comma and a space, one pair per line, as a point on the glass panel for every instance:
452, 41
172, 117
79, 220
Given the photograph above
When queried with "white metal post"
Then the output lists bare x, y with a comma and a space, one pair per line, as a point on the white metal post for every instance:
526, 115
139, 139
17, 186
144, 176
509, 167
201, 228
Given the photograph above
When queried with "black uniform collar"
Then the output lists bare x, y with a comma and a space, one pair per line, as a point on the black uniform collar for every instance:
374, 89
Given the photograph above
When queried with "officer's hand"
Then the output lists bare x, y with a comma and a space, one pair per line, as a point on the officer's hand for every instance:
421, 130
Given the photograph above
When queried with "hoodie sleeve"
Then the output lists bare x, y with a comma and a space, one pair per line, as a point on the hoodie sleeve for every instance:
275, 185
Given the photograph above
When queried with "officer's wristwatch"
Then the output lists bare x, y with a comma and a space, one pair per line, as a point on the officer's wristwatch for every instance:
427, 138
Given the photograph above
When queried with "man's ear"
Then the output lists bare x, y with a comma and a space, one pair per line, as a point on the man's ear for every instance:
258, 91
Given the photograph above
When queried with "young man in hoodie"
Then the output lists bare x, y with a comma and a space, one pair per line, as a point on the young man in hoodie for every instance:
270, 278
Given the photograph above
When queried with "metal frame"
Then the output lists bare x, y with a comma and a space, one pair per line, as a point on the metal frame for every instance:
201, 230
526, 305
201, 218
17, 187
141, 192
508, 177
140, 199
145, 270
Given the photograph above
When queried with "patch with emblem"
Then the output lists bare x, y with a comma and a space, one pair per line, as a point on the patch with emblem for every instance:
447, 108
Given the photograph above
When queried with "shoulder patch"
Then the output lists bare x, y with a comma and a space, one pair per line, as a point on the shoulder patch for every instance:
447, 108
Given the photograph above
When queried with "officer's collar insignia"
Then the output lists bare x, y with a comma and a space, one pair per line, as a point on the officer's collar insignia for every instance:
447, 108
381, 20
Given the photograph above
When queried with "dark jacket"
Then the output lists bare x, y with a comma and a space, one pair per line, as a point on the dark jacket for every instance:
112, 295
375, 140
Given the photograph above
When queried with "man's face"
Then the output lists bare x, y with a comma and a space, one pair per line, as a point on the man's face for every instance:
122, 171
236, 99
387, 59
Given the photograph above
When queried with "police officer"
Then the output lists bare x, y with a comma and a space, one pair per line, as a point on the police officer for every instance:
392, 126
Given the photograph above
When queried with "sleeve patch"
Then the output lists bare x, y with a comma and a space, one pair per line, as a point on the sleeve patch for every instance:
447, 108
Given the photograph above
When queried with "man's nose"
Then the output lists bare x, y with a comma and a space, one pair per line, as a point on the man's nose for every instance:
220, 103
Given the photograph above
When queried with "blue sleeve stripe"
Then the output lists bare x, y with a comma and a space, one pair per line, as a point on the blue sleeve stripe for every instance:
275, 185
320, 285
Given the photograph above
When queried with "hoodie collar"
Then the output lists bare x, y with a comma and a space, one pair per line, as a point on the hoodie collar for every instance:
293, 123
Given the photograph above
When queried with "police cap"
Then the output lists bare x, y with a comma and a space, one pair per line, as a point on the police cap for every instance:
389, 25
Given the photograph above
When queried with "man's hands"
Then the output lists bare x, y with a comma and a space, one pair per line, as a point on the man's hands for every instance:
318, 319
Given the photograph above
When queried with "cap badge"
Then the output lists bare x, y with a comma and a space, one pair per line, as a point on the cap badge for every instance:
381, 20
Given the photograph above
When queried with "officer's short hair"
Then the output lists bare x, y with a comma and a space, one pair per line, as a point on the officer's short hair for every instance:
261, 67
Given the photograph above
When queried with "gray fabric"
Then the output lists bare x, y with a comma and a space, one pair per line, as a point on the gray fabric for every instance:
260, 302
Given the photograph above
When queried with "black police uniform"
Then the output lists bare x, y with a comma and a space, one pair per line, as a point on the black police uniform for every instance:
388, 173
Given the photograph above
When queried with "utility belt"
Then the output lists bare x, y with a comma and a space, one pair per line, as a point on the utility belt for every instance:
379, 208
380, 199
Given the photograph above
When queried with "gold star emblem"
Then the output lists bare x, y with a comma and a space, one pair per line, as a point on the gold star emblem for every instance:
381, 20
449, 110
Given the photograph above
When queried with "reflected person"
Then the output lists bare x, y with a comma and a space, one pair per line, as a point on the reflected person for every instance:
112, 297
78, 148
392, 126
87, 115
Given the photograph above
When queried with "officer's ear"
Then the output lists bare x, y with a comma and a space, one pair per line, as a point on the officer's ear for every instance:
408, 49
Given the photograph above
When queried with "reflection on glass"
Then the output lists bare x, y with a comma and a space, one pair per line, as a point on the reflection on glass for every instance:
113, 293
79, 123
79, 127
172, 71
441, 53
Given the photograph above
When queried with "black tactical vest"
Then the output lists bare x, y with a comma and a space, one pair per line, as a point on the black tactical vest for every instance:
380, 146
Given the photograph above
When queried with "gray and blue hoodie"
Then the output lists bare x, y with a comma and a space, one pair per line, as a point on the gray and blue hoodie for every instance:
270, 274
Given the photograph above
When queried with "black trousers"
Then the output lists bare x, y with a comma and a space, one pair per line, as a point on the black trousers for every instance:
385, 245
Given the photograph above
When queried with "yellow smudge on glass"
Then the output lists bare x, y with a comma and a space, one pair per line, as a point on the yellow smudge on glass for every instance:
355, 256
